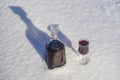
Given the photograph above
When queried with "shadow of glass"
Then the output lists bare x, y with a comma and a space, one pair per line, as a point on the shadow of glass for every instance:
37, 37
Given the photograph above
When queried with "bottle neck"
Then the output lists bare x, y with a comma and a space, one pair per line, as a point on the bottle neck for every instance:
54, 36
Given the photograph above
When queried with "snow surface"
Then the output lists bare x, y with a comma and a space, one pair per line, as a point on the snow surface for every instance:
24, 32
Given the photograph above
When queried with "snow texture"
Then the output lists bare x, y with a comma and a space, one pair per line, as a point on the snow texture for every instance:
24, 33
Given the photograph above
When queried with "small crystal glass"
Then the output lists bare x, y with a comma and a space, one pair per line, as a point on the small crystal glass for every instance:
83, 50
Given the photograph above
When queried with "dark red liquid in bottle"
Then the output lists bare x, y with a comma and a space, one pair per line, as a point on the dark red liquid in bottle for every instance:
83, 47
55, 54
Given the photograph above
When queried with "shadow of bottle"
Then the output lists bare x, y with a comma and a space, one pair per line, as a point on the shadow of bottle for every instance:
65, 40
37, 37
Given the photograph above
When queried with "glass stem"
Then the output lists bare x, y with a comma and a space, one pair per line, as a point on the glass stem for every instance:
82, 57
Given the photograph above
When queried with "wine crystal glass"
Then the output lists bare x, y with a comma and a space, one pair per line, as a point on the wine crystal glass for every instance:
83, 50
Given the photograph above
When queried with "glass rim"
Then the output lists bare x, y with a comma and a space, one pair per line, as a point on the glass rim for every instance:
84, 40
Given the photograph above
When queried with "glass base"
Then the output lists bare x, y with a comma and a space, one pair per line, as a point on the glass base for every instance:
84, 60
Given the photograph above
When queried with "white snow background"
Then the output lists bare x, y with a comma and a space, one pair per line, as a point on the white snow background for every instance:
24, 32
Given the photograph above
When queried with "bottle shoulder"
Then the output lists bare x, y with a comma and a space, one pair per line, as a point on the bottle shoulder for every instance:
55, 44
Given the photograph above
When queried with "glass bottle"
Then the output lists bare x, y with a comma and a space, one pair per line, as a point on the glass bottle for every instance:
55, 49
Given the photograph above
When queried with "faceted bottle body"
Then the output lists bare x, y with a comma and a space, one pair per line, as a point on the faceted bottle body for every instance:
55, 54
